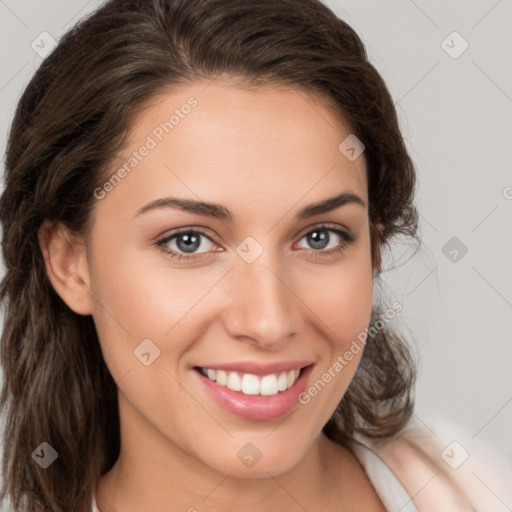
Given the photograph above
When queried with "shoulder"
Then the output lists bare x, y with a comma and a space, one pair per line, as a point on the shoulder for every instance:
443, 468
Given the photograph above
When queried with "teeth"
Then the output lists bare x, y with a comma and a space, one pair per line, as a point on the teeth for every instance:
234, 381
250, 384
268, 385
282, 382
221, 377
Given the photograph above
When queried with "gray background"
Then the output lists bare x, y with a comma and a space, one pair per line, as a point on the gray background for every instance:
455, 114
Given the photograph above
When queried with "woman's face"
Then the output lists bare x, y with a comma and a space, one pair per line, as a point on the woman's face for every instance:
255, 289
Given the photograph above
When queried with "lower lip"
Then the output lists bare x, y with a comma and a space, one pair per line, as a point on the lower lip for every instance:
257, 407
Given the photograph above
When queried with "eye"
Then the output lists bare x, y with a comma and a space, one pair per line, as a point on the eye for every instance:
183, 244
321, 238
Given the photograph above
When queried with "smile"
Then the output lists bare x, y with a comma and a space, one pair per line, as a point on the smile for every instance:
250, 384
255, 391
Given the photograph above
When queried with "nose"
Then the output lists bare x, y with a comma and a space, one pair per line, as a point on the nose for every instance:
262, 305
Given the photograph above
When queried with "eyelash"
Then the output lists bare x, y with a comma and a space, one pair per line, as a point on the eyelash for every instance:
347, 238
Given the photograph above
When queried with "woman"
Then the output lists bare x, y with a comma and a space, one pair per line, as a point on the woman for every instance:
198, 194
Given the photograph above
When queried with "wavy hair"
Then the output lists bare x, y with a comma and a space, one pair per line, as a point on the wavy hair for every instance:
70, 124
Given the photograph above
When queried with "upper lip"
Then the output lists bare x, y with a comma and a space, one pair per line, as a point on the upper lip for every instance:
259, 368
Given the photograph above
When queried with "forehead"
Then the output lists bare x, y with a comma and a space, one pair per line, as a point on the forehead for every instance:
257, 146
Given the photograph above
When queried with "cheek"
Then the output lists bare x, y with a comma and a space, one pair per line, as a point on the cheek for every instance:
342, 295
138, 299
347, 307
343, 300
344, 306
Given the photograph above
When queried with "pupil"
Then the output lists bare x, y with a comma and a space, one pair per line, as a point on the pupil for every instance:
188, 242
317, 239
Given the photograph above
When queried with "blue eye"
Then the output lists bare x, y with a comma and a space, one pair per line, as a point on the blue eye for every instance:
320, 238
184, 243
187, 241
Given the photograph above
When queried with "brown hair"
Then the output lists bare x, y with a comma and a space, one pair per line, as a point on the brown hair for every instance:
70, 124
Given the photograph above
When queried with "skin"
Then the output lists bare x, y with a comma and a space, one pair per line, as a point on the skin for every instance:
264, 154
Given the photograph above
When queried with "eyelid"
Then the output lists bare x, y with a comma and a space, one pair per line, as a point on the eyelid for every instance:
188, 229
324, 225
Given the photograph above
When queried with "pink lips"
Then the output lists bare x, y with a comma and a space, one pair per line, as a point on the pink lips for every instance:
258, 407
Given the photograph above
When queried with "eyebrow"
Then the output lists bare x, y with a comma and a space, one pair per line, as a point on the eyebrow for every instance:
218, 211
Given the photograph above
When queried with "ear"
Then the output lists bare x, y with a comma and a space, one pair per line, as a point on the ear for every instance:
67, 266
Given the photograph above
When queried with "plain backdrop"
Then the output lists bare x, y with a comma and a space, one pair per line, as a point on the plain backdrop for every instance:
447, 65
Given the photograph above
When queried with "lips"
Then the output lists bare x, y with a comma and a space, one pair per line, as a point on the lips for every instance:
255, 392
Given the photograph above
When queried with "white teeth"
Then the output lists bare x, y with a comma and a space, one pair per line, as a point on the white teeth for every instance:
291, 378
234, 381
282, 381
250, 384
268, 385
221, 377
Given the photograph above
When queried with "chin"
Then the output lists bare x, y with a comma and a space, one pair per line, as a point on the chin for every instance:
251, 462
